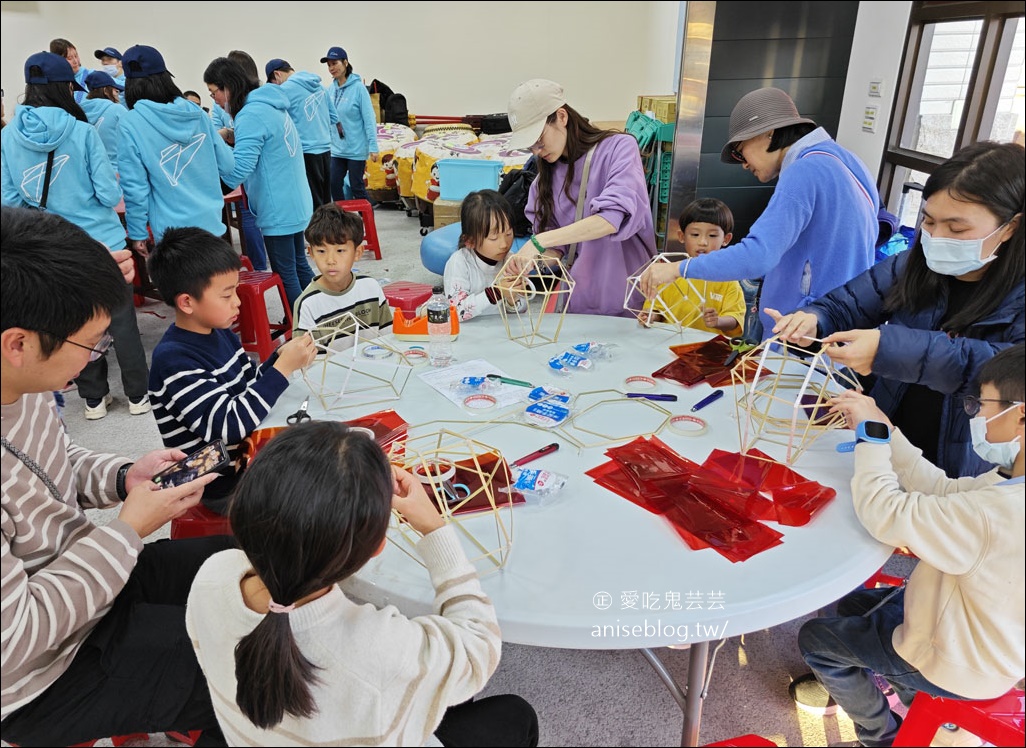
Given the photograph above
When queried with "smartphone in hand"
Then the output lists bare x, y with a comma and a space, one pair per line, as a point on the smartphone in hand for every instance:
204, 460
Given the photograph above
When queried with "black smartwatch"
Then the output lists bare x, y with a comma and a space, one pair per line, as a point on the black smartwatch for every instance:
119, 481
873, 432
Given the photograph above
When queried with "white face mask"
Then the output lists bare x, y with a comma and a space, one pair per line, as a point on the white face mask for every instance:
111, 70
955, 256
1002, 454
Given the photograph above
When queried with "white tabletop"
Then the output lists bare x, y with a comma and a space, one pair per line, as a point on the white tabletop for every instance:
587, 541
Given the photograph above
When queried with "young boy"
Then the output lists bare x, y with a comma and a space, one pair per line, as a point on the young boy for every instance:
93, 622
705, 226
203, 385
335, 240
957, 629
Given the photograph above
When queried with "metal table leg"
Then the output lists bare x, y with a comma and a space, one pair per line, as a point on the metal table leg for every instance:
691, 698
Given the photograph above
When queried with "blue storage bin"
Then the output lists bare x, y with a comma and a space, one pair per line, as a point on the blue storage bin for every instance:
458, 177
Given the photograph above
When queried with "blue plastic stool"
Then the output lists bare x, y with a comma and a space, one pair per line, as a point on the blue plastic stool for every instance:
438, 246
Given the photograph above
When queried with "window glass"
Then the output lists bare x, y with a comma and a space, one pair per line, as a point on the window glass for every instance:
1010, 117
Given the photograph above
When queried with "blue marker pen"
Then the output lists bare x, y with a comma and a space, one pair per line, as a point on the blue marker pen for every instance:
707, 401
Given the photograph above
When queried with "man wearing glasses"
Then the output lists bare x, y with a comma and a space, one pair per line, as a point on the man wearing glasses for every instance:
820, 227
93, 623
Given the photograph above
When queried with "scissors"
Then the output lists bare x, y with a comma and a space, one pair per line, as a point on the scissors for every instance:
737, 347
300, 415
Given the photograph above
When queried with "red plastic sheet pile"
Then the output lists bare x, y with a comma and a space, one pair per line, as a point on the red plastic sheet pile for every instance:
719, 504
703, 362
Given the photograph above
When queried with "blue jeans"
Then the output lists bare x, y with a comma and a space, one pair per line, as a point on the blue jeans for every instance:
255, 250
288, 259
844, 652
339, 168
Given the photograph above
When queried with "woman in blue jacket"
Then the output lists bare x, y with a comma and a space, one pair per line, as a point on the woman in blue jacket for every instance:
51, 141
103, 108
923, 322
269, 161
356, 138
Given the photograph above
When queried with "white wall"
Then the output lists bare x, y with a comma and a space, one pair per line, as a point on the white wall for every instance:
875, 55
445, 59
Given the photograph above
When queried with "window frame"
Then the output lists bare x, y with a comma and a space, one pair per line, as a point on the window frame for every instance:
983, 90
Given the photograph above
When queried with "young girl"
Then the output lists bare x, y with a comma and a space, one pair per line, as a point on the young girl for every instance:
486, 219
291, 660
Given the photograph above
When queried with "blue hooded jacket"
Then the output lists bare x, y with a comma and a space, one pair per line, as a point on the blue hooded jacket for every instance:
269, 160
913, 350
311, 110
169, 157
356, 114
83, 186
105, 116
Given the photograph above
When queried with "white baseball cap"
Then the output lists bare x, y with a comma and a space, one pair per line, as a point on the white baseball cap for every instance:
530, 105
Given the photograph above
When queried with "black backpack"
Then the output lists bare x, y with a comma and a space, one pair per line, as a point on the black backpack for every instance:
515, 187
395, 110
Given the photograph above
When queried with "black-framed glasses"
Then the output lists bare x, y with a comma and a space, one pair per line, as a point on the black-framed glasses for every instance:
95, 352
736, 154
972, 404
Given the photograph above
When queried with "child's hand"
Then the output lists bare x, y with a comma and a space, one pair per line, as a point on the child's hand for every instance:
298, 353
856, 408
711, 318
412, 502
797, 327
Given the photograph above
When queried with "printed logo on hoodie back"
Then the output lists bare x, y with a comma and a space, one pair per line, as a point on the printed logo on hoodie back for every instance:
175, 159
32, 178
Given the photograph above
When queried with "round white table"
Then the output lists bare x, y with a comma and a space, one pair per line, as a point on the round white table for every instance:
589, 569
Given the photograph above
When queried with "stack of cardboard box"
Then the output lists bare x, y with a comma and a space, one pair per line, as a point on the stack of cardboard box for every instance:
663, 108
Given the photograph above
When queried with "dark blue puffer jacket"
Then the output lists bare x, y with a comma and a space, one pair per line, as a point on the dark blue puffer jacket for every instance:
913, 350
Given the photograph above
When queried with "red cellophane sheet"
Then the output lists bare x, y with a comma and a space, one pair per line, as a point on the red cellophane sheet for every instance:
719, 504
387, 425
467, 474
703, 362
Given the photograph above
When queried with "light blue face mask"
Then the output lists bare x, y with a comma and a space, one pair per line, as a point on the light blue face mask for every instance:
1002, 454
111, 70
955, 256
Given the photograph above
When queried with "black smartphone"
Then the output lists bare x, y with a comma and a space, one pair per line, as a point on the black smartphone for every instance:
204, 460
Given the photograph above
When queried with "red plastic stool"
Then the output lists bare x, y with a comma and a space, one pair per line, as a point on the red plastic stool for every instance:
998, 721
255, 329
247, 264
407, 296
742, 741
370, 229
199, 522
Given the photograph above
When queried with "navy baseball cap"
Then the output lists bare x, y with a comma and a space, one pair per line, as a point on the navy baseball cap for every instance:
335, 53
140, 61
52, 69
99, 79
107, 52
276, 64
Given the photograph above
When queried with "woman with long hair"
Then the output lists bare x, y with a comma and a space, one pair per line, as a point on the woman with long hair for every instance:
355, 138
292, 660
54, 158
614, 234
922, 323
269, 163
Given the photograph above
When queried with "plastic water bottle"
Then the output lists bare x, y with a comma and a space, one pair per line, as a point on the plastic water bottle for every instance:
439, 328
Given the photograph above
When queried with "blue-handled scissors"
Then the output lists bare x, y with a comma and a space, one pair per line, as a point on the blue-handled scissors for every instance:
300, 415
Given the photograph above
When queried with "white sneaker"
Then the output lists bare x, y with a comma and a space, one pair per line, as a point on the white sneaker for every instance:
140, 406
952, 736
97, 409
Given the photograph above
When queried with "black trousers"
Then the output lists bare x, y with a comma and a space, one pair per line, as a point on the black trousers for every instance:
128, 347
136, 672
505, 721
318, 175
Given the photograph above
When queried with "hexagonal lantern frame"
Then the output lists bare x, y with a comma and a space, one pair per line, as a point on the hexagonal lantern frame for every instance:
536, 317
671, 293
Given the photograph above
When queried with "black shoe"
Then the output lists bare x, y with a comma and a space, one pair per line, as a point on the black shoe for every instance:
811, 696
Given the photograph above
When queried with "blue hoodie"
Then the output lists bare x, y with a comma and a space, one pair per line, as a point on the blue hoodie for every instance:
83, 186
80, 76
221, 118
269, 160
311, 110
105, 115
356, 113
170, 156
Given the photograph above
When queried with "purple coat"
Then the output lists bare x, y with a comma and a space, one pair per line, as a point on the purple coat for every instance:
617, 191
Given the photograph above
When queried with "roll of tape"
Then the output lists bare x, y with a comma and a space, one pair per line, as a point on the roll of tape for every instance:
639, 381
416, 355
480, 402
363, 430
375, 352
696, 426
435, 472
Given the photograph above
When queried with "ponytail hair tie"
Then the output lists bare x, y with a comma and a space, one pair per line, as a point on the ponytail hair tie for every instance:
274, 607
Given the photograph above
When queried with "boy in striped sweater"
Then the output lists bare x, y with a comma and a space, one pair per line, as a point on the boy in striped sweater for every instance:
93, 622
203, 385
